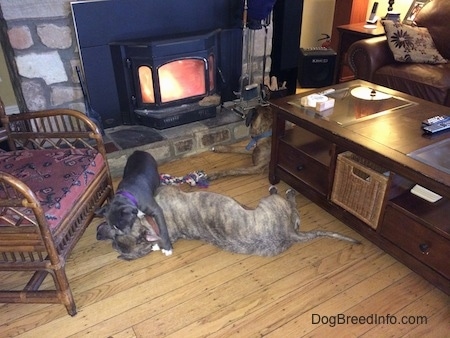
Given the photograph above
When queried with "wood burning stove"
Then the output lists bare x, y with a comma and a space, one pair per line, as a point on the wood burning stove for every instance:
168, 81
98, 23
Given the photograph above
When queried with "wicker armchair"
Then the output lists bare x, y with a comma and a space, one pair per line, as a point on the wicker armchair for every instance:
53, 176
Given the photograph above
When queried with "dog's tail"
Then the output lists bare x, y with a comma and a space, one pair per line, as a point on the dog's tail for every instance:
305, 236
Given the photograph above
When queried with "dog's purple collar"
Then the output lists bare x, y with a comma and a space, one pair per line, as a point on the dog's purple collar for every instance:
128, 195
258, 137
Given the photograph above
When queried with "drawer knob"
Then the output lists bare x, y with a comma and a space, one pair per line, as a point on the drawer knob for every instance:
300, 167
424, 248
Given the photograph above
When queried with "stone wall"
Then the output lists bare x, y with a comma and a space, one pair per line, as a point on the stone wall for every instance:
41, 49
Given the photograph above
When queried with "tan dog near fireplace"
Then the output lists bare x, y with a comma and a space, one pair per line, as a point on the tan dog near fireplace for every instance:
259, 120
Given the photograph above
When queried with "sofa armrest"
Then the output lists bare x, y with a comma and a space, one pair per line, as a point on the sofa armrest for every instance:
366, 56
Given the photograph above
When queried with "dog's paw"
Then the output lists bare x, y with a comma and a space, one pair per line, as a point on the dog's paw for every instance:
273, 190
167, 252
290, 193
155, 247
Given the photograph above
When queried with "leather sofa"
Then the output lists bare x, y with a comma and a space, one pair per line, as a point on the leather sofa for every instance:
372, 60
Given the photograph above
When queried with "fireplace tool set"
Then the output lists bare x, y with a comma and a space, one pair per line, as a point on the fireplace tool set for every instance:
252, 94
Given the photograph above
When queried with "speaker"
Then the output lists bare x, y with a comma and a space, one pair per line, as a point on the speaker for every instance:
316, 67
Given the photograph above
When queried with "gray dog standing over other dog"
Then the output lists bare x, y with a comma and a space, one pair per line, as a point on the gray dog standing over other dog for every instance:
136, 193
220, 220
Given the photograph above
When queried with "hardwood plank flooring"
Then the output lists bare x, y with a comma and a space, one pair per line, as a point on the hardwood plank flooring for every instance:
202, 291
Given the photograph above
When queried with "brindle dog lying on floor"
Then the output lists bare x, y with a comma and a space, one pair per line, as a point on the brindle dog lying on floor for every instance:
259, 120
268, 230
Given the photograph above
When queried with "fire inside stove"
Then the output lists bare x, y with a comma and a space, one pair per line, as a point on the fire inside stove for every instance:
178, 80
163, 83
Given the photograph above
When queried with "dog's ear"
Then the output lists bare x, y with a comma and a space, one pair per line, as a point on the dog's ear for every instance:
102, 211
251, 115
125, 244
130, 248
104, 231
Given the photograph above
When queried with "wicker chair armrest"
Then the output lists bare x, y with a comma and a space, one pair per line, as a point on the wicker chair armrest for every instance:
16, 198
18, 194
54, 128
80, 122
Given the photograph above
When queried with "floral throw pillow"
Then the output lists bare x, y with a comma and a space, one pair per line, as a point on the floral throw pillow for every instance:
411, 44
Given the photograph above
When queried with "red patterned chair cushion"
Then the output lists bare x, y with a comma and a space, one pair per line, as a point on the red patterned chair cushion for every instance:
58, 177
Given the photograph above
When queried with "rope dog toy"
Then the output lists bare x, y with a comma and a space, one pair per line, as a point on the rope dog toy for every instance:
196, 178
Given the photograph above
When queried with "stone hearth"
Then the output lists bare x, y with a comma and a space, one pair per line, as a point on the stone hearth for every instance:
173, 143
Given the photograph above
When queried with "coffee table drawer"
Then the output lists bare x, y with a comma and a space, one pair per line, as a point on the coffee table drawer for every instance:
303, 167
416, 239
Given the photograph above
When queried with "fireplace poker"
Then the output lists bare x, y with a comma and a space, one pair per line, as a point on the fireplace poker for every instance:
265, 88
90, 112
244, 79
248, 92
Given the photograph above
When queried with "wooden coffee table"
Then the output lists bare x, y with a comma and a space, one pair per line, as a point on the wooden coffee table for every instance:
413, 229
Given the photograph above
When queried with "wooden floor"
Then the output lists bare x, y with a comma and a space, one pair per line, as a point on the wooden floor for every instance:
202, 291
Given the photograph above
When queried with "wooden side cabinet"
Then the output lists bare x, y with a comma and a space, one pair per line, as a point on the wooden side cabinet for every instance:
349, 34
348, 26
347, 12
